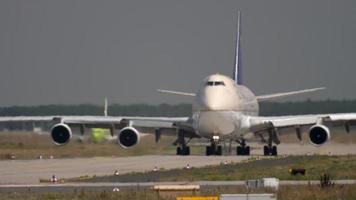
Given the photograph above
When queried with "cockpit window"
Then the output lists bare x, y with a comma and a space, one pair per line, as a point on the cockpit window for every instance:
210, 83
219, 83
215, 83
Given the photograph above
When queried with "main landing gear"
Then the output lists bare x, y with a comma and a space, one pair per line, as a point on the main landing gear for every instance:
182, 149
270, 149
243, 149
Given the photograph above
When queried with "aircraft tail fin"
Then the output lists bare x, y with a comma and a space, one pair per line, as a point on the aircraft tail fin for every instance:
106, 106
237, 68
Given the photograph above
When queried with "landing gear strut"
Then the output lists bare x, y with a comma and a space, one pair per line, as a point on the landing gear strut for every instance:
243, 149
214, 149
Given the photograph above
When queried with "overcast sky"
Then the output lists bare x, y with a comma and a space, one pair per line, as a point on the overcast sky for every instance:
71, 52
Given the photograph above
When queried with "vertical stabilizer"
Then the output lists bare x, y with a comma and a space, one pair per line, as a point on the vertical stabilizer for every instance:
106, 107
237, 68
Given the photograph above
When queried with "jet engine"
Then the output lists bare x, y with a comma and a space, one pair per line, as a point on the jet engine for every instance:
319, 134
61, 134
128, 137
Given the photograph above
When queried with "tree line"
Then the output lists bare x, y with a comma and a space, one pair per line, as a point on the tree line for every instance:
179, 110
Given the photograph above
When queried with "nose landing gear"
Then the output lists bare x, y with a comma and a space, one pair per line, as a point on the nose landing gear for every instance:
214, 148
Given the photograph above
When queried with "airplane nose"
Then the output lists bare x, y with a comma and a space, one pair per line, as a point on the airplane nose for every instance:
212, 100
212, 104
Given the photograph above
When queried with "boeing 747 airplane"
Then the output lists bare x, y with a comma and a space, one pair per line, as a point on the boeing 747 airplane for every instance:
223, 110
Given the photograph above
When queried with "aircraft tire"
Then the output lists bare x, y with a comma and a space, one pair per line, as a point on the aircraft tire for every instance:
183, 151
187, 151
238, 150
247, 150
274, 151
208, 150
266, 151
179, 151
219, 151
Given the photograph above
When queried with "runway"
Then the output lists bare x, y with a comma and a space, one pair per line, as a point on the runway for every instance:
31, 171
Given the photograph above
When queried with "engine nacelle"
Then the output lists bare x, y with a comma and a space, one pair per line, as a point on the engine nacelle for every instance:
319, 134
61, 134
128, 137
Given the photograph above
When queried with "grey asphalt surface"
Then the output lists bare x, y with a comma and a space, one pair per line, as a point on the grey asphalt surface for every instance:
31, 171
18, 173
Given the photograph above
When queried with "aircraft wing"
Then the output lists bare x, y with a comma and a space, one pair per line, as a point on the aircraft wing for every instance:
274, 96
100, 121
61, 126
260, 124
177, 92
116, 120
26, 119
302, 120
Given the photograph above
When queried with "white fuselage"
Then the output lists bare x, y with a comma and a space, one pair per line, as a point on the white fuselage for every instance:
221, 108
